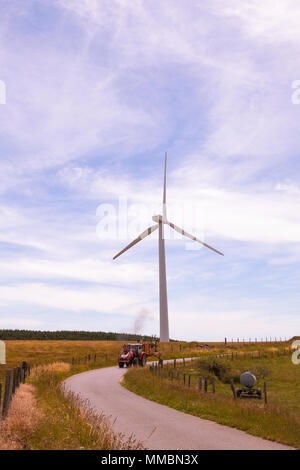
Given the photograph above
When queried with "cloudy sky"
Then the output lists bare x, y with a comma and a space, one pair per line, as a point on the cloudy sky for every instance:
96, 91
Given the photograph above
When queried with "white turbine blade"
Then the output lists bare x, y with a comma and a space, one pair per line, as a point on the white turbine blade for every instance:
165, 188
146, 232
183, 232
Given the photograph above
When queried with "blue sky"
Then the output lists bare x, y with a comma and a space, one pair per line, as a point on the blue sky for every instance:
96, 92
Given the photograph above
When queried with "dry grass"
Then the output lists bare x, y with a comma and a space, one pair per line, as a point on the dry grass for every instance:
44, 416
55, 367
70, 423
22, 418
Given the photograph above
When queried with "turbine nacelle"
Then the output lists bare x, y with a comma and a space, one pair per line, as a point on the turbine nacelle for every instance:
159, 219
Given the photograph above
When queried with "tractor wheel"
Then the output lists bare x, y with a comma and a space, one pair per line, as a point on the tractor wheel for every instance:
135, 361
127, 364
121, 364
143, 360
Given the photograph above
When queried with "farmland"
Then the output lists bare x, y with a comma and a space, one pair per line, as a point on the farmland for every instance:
63, 426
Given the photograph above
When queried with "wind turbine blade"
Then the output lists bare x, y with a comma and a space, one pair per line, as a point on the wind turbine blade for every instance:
165, 180
165, 188
146, 232
183, 232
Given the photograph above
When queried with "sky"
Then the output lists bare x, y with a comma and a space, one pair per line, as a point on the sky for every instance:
96, 92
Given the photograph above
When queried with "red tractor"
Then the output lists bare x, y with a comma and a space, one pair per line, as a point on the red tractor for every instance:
136, 354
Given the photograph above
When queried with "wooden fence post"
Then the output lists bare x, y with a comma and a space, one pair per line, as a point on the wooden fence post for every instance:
205, 384
7, 392
184, 379
213, 385
189, 380
265, 393
233, 389
200, 383
14, 385
17, 378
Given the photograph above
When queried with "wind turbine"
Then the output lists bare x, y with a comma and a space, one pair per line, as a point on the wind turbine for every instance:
160, 221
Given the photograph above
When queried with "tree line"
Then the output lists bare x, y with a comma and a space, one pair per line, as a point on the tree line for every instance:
70, 335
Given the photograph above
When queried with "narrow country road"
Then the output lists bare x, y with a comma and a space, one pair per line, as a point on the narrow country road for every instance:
158, 426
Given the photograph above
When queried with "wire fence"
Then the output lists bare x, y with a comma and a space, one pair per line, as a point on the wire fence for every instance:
170, 370
13, 379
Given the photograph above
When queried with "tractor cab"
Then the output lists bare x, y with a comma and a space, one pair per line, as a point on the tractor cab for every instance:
135, 348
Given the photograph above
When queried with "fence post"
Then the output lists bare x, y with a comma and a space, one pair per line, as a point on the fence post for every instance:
233, 389
265, 393
189, 380
184, 379
14, 384
17, 378
213, 385
200, 383
205, 384
7, 392
174, 363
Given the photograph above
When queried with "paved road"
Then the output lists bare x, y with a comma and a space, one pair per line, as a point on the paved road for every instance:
158, 426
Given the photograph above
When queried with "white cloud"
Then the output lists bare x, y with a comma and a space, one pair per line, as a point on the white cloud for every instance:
106, 299
85, 270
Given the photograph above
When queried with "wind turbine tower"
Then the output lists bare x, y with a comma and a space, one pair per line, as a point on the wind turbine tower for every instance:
161, 220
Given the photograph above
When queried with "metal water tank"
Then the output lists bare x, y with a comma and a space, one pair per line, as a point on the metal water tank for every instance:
248, 379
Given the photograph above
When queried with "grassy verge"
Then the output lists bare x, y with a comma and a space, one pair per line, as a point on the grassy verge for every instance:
278, 421
51, 419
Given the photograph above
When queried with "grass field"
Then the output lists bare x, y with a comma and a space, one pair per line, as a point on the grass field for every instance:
44, 352
279, 420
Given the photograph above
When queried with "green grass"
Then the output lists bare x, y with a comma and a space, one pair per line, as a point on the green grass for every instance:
279, 420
